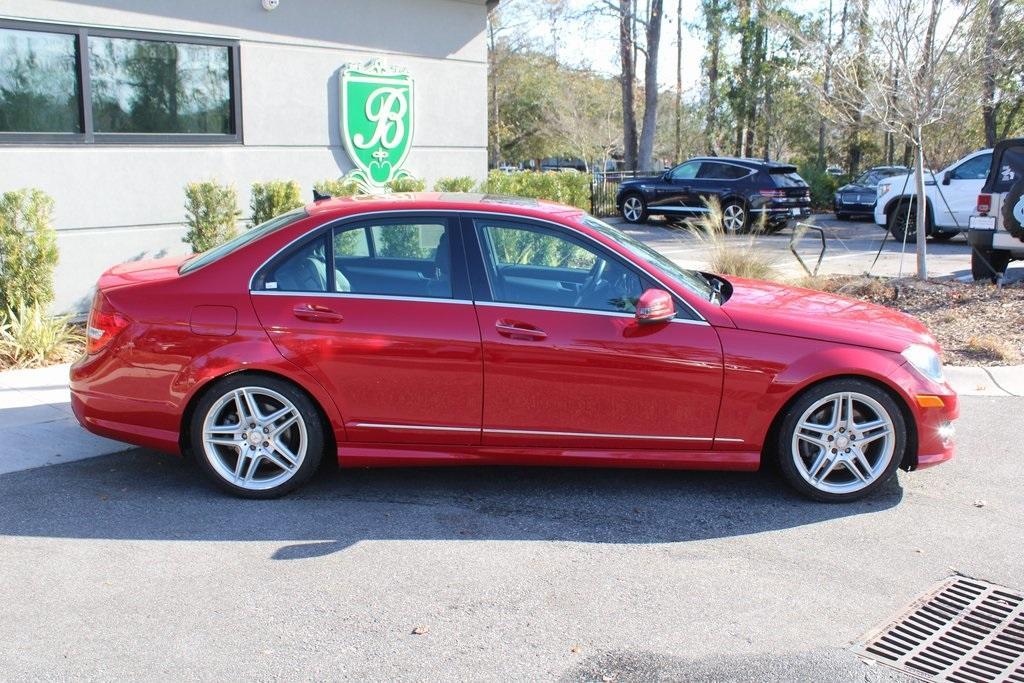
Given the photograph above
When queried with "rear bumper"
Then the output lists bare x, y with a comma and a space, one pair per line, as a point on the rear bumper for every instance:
104, 403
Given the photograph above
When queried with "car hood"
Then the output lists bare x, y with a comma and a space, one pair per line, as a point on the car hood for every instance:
793, 311
851, 187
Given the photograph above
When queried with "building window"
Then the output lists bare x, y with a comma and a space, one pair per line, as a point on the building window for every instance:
138, 87
39, 90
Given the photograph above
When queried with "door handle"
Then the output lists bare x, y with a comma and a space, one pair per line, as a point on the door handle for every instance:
315, 313
517, 330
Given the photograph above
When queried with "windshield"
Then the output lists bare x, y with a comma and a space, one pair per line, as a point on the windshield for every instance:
219, 252
691, 279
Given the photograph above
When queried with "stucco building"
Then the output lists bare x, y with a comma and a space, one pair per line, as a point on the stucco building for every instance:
112, 106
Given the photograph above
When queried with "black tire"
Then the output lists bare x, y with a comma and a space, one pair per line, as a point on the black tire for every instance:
735, 214
627, 211
311, 428
787, 454
842, 216
900, 222
1015, 196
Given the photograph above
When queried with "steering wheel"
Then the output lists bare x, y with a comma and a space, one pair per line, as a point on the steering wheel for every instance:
588, 288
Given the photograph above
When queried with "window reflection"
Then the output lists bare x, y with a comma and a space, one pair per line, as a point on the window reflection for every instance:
148, 86
39, 90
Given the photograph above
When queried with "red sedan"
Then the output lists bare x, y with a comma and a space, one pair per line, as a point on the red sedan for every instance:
464, 329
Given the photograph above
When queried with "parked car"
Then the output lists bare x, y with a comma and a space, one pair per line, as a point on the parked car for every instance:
835, 171
858, 196
746, 190
996, 233
439, 329
951, 193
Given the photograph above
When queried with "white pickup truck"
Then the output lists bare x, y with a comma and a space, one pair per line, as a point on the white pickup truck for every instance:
952, 194
996, 233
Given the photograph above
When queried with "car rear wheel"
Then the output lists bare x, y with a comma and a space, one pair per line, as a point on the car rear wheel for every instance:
734, 218
841, 440
634, 208
257, 437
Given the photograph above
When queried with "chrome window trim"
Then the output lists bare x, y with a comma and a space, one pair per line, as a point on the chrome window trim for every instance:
585, 311
330, 225
350, 295
750, 171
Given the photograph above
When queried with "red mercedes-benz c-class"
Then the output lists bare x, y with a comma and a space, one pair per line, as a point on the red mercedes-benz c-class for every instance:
425, 329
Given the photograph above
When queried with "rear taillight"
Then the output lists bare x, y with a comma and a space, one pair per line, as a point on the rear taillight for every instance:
104, 324
775, 194
984, 204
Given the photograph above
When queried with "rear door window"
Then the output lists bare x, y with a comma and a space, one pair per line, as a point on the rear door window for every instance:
400, 258
718, 171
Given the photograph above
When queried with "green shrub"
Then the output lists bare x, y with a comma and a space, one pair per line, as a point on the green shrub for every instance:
342, 187
823, 186
407, 184
30, 338
564, 187
463, 183
28, 249
211, 212
273, 198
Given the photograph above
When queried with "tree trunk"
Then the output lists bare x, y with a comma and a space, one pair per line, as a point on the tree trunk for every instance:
627, 80
826, 86
989, 65
922, 212
678, 149
651, 84
713, 24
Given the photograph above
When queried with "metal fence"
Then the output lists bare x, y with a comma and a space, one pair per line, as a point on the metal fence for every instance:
605, 184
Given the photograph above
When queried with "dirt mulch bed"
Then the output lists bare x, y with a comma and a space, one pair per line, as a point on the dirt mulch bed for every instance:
976, 323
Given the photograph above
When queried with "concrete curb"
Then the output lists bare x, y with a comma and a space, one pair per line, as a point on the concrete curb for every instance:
37, 426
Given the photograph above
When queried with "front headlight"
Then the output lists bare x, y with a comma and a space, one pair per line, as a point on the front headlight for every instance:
926, 361
883, 188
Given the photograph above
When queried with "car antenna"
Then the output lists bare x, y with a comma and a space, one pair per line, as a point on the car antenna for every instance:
319, 196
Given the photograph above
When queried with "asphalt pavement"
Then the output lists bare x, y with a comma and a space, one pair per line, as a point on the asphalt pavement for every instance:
851, 248
130, 566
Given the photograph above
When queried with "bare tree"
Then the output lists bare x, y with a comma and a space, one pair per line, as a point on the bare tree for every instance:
929, 44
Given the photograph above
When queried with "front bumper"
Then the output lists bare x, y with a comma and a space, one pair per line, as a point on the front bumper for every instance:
933, 409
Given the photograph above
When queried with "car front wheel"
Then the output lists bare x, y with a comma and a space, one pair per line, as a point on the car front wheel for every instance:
841, 440
634, 208
257, 437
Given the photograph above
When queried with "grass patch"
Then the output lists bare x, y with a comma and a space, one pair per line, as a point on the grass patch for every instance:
991, 347
727, 255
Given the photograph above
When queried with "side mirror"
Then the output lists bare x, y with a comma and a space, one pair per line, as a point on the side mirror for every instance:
946, 177
655, 306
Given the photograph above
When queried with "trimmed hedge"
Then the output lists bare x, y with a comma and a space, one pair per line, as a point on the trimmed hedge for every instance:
462, 183
273, 198
28, 250
211, 212
564, 187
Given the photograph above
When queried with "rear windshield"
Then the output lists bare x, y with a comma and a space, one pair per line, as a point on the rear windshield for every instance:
261, 230
1011, 169
786, 176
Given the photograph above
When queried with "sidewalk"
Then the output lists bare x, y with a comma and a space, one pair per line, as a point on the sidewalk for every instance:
37, 427
36, 424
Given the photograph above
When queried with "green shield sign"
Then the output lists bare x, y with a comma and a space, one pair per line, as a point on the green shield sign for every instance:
376, 121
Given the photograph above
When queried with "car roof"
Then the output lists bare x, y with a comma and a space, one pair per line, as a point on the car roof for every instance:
745, 161
440, 201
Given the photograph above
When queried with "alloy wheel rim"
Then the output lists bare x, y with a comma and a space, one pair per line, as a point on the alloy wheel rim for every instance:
254, 438
632, 208
843, 442
732, 218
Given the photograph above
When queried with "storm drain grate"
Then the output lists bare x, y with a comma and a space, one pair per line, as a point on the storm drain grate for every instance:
964, 630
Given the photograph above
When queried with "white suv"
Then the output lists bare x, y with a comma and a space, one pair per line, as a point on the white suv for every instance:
951, 200
996, 233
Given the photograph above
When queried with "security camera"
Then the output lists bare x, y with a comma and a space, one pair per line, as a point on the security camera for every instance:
270, 5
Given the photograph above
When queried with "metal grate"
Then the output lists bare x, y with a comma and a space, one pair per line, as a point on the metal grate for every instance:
964, 630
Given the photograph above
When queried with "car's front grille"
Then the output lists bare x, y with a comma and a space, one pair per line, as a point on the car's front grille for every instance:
965, 630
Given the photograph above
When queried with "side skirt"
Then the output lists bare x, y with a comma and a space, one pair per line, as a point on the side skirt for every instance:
403, 455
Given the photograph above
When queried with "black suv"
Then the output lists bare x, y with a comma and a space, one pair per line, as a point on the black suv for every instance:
746, 189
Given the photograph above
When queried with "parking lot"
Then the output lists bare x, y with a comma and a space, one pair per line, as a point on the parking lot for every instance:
850, 249
130, 566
